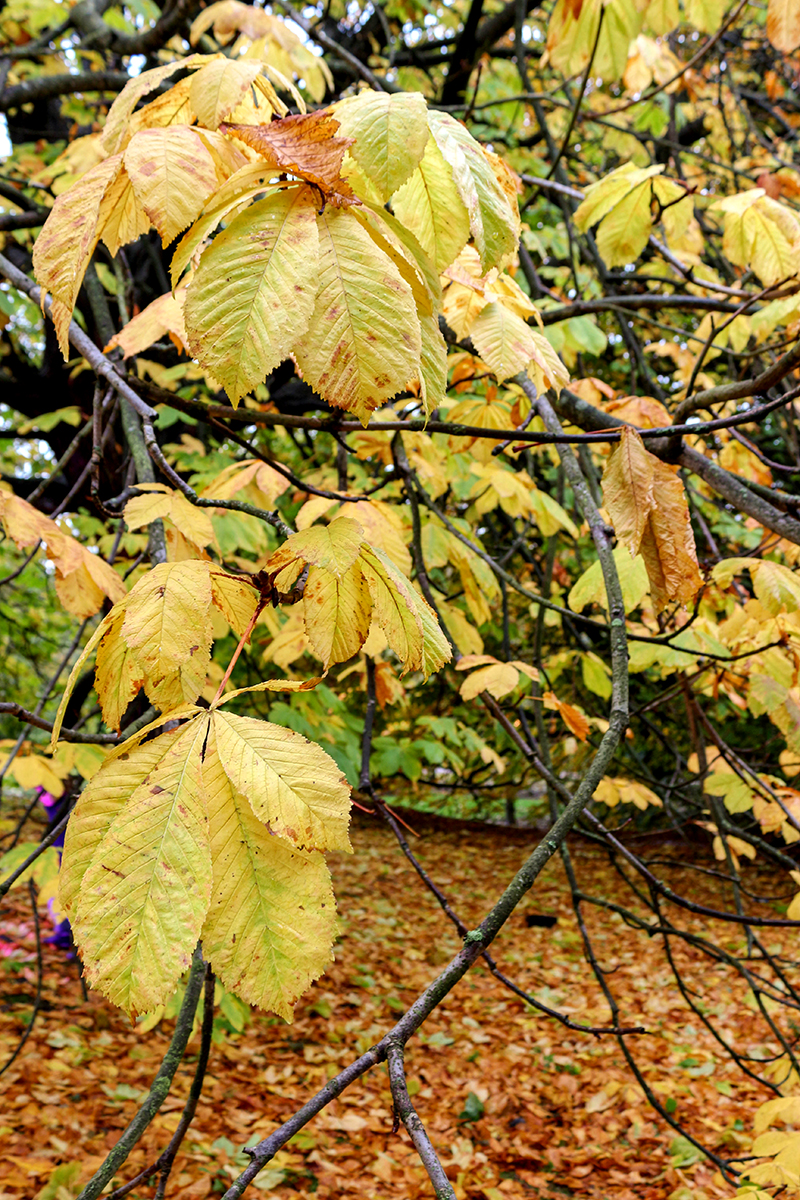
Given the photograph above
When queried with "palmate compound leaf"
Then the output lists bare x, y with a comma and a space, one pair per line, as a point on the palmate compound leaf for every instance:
292, 785
163, 848
146, 889
252, 298
159, 637
363, 342
272, 916
352, 582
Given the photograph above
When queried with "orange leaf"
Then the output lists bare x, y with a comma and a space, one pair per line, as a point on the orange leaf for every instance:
307, 146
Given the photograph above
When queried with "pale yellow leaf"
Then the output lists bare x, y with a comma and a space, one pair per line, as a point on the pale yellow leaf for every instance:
390, 132
168, 625
119, 116
334, 547
430, 206
173, 174
146, 890
272, 916
337, 613
217, 88
236, 598
291, 784
164, 315
498, 680
118, 674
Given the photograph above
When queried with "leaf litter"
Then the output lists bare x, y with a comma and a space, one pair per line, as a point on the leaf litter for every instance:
516, 1104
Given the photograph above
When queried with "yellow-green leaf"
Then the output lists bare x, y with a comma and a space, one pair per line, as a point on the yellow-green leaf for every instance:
252, 298
395, 606
363, 342
429, 204
333, 547
272, 916
493, 216
390, 133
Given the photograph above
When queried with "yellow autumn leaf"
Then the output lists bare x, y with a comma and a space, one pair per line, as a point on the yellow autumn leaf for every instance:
390, 132
503, 340
628, 488
68, 238
394, 606
623, 234
168, 626
118, 121
337, 613
572, 34
118, 673
146, 889
216, 89
362, 344
430, 206
589, 588
272, 916
783, 25
173, 173
251, 300
760, 233
776, 586
333, 547
291, 784
164, 315
498, 679
83, 580
159, 501
121, 218
493, 213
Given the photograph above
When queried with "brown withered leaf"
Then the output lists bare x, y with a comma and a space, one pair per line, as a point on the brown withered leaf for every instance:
668, 546
647, 505
306, 146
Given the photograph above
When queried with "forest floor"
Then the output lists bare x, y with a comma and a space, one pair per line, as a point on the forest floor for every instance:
516, 1104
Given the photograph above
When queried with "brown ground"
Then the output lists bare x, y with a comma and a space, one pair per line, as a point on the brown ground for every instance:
562, 1116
